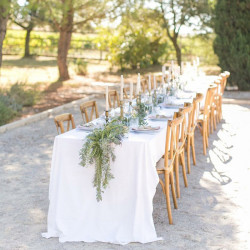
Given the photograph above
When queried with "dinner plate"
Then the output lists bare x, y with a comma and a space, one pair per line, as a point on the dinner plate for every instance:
85, 128
147, 129
159, 118
172, 106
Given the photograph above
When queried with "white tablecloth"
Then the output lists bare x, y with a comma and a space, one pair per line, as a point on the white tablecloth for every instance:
125, 213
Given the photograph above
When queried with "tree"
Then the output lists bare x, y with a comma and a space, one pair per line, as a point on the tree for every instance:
4, 15
27, 16
174, 14
136, 41
67, 15
232, 43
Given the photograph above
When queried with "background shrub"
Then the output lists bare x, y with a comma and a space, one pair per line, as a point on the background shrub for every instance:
81, 67
12, 101
232, 43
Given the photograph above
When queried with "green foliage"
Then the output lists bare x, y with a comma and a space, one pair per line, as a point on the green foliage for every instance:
6, 113
81, 67
98, 149
135, 43
12, 101
24, 97
9, 108
141, 112
232, 43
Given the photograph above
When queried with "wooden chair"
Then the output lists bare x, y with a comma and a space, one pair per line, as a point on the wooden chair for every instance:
222, 81
126, 92
85, 107
144, 84
190, 135
203, 119
187, 111
166, 164
60, 119
180, 153
114, 99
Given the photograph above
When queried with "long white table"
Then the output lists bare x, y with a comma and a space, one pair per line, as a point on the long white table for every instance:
125, 213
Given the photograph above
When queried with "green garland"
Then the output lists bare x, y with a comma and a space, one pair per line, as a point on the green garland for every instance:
141, 109
98, 149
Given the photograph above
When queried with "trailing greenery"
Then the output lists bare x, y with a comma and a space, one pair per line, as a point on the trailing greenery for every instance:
98, 149
232, 44
141, 113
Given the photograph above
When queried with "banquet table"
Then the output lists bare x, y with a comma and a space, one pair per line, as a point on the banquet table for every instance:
125, 213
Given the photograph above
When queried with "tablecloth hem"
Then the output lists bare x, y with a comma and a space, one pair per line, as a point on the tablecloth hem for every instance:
63, 239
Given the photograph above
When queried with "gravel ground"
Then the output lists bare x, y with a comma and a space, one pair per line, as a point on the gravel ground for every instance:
213, 211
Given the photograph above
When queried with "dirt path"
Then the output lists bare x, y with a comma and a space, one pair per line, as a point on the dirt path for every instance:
213, 211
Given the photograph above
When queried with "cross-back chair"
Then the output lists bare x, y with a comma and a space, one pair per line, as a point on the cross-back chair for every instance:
166, 164
190, 136
144, 85
187, 111
89, 111
180, 152
113, 99
203, 119
60, 119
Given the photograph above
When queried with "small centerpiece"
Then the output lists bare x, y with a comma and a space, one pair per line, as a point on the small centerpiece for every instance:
98, 149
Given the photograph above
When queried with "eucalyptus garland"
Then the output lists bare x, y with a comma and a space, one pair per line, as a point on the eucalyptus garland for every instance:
98, 149
141, 109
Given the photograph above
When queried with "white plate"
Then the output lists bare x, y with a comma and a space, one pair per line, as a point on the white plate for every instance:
141, 130
172, 106
155, 118
82, 127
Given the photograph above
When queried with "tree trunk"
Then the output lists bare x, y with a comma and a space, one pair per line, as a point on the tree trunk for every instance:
3, 25
63, 48
177, 51
27, 42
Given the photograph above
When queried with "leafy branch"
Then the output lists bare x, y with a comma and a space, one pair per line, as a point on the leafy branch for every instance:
98, 149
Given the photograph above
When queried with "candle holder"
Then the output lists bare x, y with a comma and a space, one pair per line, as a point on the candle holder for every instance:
121, 109
107, 116
138, 99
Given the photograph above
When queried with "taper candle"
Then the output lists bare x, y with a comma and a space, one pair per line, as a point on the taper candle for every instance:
122, 84
107, 98
131, 91
138, 84
154, 83
149, 83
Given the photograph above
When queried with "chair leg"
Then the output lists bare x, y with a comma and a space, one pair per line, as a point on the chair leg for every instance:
173, 190
188, 154
204, 134
207, 140
215, 119
162, 185
168, 198
177, 176
193, 150
211, 122
207, 124
184, 168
